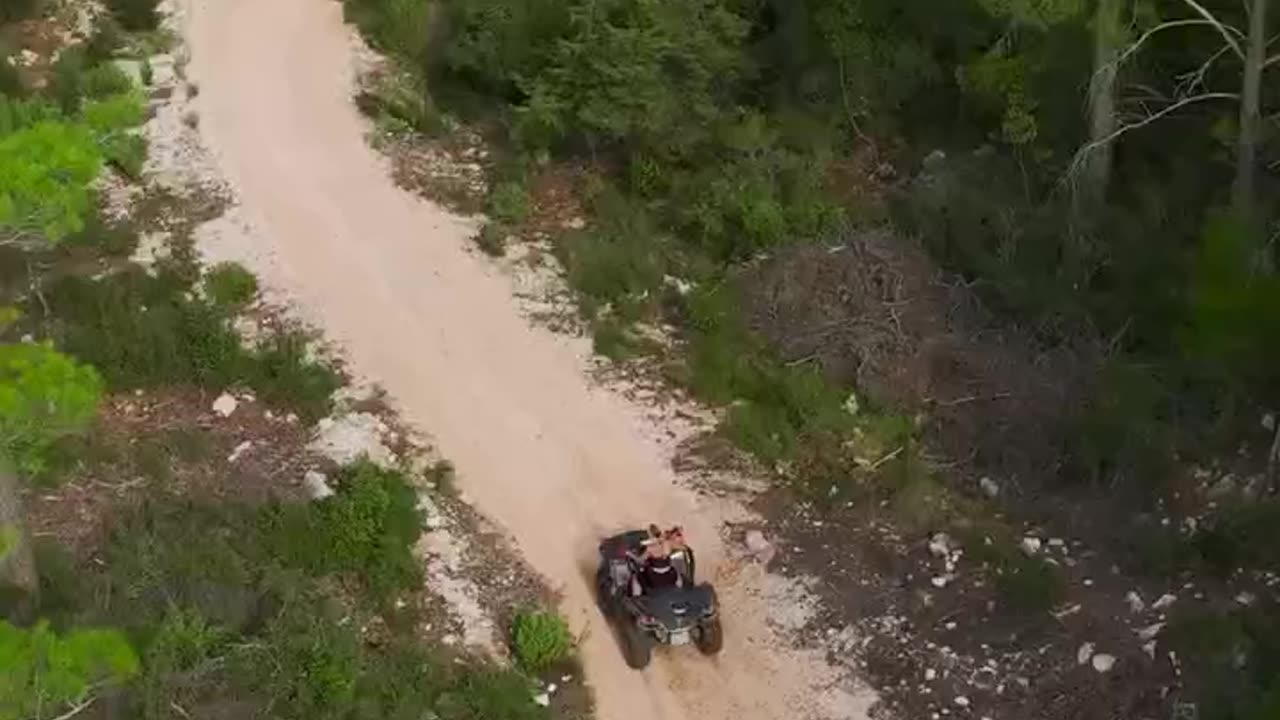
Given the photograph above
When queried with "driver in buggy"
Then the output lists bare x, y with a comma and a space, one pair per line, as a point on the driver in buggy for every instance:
656, 572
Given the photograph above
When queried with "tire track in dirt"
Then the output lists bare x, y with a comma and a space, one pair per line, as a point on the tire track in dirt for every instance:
548, 455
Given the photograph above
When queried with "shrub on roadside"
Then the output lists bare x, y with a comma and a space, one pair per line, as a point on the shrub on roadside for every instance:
540, 640
135, 15
508, 202
488, 694
230, 285
283, 374
366, 529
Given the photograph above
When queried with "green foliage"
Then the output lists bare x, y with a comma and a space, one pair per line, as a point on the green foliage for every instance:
619, 261
773, 408
230, 285
78, 77
491, 694
540, 640
248, 615
399, 27
308, 664
495, 43
508, 202
182, 642
1025, 585
44, 395
366, 529
1233, 658
650, 74
141, 330
127, 153
1241, 535
1231, 324
283, 373
135, 15
45, 171
400, 101
45, 671
18, 113
1124, 428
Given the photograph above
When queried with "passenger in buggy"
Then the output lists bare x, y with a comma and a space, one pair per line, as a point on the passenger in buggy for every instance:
656, 572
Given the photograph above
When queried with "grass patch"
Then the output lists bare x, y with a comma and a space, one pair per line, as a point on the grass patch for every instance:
231, 285
231, 613
540, 640
1233, 658
366, 530
1025, 585
141, 330
508, 202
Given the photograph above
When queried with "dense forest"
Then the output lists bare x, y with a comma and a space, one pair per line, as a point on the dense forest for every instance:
1035, 239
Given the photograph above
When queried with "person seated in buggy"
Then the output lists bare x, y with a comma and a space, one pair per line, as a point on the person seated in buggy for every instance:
656, 571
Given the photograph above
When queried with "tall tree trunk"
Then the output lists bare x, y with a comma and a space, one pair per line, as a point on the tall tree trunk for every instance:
17, 561
1242, 191
1107, 36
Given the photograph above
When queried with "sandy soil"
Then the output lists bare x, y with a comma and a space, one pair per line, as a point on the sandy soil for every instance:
554, 459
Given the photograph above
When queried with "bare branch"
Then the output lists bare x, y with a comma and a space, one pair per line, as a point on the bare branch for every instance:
1223, 29
75, 710
1271, 61
1190, 82
1130, 127
1129, 51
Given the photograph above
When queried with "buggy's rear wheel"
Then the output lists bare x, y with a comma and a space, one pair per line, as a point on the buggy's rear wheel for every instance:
710, 637
637, 647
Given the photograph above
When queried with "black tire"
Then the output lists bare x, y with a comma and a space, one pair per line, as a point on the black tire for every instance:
710, 639
637, 647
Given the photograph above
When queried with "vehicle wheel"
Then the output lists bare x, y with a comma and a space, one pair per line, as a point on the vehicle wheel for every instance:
710, 637
637, 647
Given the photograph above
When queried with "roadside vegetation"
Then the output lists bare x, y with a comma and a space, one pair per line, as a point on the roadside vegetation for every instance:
171, 583
958, 262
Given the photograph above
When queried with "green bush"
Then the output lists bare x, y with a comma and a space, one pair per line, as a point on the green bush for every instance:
135, 15
366, 529
1241, 535
509, 202
44, 396
540, 640
652, 75
46, 671
282, 374
230, 285
619, 261
141, 330
488, 694
308, 664
1232, 659
400, 27
1028, 585
182, 642
115, 240
127, 153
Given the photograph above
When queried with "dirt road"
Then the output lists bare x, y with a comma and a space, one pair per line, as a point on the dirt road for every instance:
552, 459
